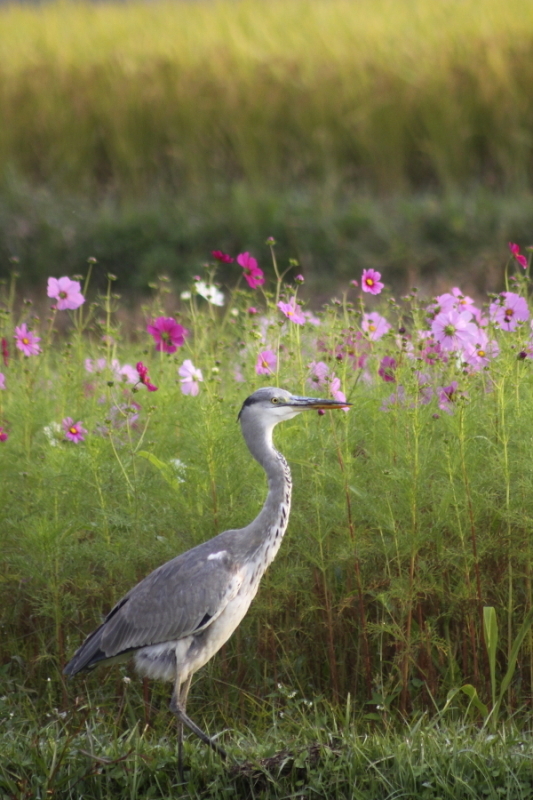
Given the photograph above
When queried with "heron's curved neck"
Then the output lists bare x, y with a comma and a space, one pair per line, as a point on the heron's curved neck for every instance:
275, 511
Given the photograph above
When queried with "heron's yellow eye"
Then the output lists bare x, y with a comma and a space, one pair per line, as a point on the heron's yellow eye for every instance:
275, 400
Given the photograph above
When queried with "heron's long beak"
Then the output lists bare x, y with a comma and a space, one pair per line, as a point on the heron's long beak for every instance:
315, 402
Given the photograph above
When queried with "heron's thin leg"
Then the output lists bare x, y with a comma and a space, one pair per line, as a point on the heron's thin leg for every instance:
182, 692
177, 706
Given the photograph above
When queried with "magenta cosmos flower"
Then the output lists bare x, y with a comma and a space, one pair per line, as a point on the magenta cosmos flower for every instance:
3, 435
370, 281
375, 325
253, 275
508, 311
292, 311
168, 334
266, 363
143, 377
190, 376
26, 341
515, 252
224, 258
74, 431
454, 329
66, 292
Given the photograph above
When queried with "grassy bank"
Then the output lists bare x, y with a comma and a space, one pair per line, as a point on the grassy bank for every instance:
386, 94
320, 754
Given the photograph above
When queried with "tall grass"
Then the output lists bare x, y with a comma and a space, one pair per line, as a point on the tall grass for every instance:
411, 513
381, 93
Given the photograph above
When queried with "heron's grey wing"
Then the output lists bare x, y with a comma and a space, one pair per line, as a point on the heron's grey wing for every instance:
176, 599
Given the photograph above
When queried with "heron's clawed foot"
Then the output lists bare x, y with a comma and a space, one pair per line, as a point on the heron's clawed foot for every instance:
184, 719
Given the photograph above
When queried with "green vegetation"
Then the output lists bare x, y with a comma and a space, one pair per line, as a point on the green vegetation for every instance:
412, 519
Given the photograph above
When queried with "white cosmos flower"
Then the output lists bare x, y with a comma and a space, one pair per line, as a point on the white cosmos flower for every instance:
211, 293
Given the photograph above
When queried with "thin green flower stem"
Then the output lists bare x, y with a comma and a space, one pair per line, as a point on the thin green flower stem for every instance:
131, 492
466, 483
50, 331
357, 563
504, 438
415, 444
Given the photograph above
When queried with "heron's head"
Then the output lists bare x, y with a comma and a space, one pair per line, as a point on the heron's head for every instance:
270, 406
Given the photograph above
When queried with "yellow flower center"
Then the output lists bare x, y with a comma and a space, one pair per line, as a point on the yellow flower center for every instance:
73, 430
25, 340
369, 282
481, 353
371, 327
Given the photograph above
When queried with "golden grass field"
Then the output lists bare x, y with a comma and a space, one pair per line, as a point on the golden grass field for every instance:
386, 93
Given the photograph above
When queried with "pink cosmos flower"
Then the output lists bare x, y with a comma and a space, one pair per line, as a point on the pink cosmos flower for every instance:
266, 363
95, 366
3, 435
375, 325
125, 373
66, 292
447, 396
319, 373
481, 353
508, 311
143, 377
386, 369
370, 281
515, 251
224, 258
292, 311
335, 389
252, 310
311, 319
168, 334
2, 381
454, 329
74, 431
190, 376
26, 341
253, 275
5, 351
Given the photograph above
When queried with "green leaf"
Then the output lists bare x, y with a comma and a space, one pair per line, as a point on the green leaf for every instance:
166, 470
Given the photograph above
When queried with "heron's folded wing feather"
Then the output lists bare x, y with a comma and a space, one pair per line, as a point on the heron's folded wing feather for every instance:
178, 598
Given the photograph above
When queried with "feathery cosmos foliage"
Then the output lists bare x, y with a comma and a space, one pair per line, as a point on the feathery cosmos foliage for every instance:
412, 511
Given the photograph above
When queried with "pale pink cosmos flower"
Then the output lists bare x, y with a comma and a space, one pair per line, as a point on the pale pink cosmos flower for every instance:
97, 366
2, 381
26, 341
124, 373
319, 373
253, 275
292, 311
336, 393
66, 292
311, 319
479, 354
266, 363
447, 396
375, 325
515, 252
74, 431
3, 435
508, 311
453, 329
168, 334
190, 376
370, 281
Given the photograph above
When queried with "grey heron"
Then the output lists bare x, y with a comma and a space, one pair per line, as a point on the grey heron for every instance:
181, 614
